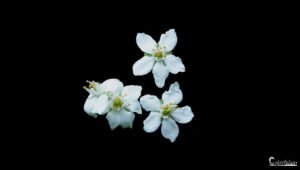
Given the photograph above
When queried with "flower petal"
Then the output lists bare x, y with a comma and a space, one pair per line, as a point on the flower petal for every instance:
98, 87
131, 92
160, 73
183, 115
174, 95
174, 64
127, 119
134, 106
90, 104
145, 43
113, 119
143, 66
152, 122
114, 86
102, 105
169, 129
150, 103
92, 91
168, 40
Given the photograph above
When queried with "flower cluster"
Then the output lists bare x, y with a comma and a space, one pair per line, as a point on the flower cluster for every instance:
120, 102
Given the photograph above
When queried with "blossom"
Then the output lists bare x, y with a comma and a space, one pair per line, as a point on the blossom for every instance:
166, 112
117, 101
96, 96
158, 57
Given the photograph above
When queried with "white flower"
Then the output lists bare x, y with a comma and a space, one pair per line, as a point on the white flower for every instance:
92, 104
166, 112
113, 98
158, 57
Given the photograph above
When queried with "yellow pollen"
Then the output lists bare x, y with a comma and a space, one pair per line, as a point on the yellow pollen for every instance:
92, 85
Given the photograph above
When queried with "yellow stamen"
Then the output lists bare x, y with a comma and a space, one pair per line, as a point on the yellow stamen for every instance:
92, 85
159, 54
117, 103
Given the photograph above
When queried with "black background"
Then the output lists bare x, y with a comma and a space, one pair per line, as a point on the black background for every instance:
239, 81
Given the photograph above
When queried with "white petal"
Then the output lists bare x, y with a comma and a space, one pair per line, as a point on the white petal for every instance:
127, 119
145, 43
131, 92
98, 87
112, 85
160, 73
169, 129
113, 119
102, 105
174, 95
152, 122
168, 40
143, 66
90, 104
174, 64
134, 106
183, 115
150, 103
92, 92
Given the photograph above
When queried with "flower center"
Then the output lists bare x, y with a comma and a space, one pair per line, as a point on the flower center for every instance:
159, 53
117, 104
167, 109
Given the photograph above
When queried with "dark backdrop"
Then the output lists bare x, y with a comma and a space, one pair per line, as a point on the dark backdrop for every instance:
239, 79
